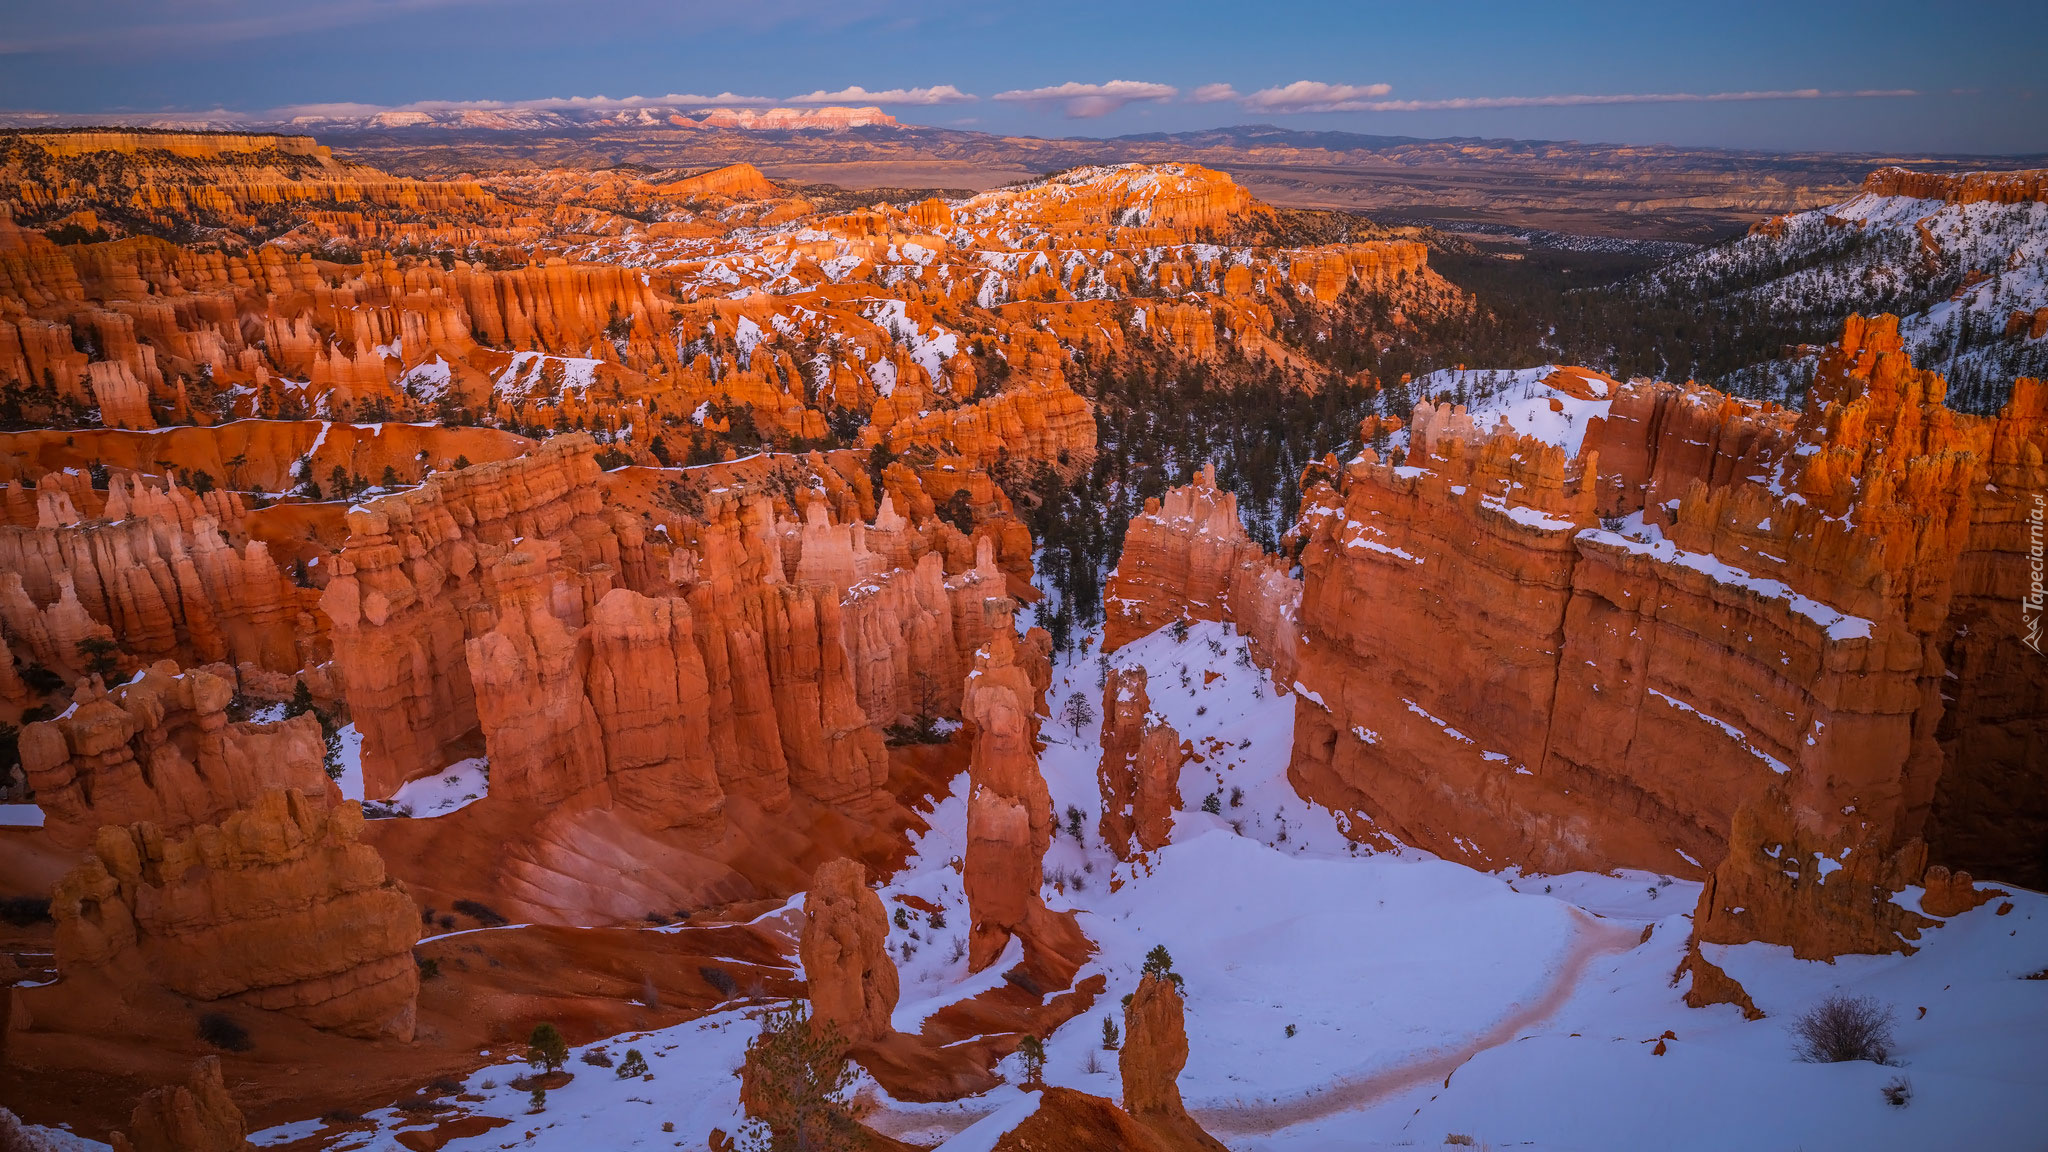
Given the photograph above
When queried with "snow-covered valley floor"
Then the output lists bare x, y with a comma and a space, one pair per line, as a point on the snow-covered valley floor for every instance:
1344, 999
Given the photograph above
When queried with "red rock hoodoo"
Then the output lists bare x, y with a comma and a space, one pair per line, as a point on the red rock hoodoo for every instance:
1009, 808
845, 951
1155, 1050
1186, 557
1140, 770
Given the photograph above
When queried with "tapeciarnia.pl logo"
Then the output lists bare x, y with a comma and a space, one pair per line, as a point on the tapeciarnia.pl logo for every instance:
2037, 597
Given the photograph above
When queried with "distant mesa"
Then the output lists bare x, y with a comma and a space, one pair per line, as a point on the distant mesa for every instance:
787, 119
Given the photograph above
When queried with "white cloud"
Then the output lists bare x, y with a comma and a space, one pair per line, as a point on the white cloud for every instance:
1085, 101
939, 94
1214, 94
1572, 100
1316, 96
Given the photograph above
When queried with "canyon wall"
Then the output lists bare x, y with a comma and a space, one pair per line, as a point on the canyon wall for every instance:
1713, 608
1709, 637
1960, 188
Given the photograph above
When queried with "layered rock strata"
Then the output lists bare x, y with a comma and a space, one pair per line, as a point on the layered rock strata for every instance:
166, 574
161, 750
665, 670
1768, 611
279, 906
1713, 634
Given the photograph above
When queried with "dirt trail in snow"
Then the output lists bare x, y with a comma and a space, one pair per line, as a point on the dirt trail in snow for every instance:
1595, 938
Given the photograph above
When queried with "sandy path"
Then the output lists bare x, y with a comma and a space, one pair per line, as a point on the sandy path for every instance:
1594, 938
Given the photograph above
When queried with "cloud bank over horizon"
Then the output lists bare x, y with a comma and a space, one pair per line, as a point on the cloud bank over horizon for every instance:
1819, 76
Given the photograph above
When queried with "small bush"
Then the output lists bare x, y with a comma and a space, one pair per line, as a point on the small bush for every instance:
1033, 1053
796, 1080
1899, 1092
481, 913
633, 1066
430, 967
1843, 1028
1459, 1138
937, 918
1159, 962
1110, 1036
720, 980
1213, 804
546, 1048
1290, 1031
598, 1058
223, 1033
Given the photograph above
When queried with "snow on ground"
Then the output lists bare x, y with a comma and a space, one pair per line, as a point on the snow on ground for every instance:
351, 778
21, 816
1520, 398
1590, 1079
1535, 995
456, 786
1271, 916
690, 1084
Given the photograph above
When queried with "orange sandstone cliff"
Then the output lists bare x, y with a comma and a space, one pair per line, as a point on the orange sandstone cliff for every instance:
278, 906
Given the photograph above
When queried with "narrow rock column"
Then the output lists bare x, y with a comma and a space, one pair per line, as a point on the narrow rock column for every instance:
1140, 771
845, 951
1155, 1050
1009, 808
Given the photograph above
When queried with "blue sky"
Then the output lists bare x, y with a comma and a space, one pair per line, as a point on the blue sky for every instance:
1871, 76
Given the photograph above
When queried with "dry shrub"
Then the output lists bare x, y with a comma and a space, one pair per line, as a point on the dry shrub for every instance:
1843, 1028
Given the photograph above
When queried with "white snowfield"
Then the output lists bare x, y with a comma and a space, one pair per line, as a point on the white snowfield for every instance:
1427, 999
1880, 253
1518, 398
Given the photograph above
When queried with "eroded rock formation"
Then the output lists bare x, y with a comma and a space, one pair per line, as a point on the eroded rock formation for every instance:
1772, 613
845, 952
1155, 1050
1140, 771
1707, 608
1009, 808
197, 1116
1187, 557
161, 750
1961, 188
278, 906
